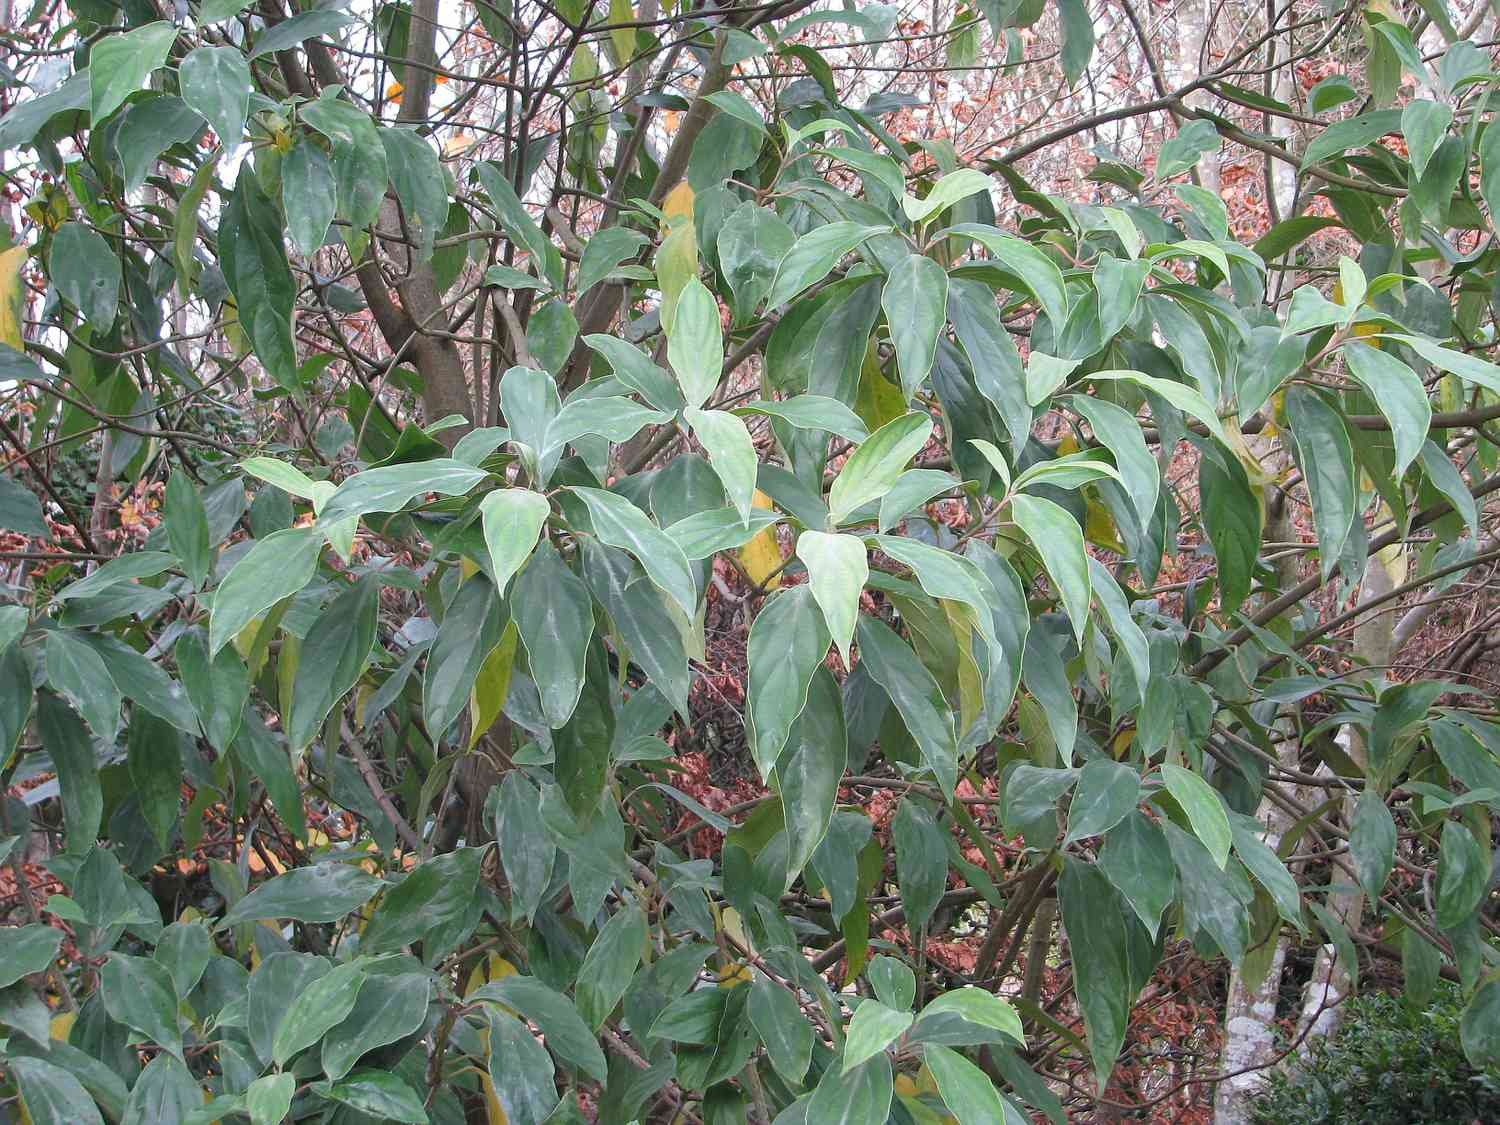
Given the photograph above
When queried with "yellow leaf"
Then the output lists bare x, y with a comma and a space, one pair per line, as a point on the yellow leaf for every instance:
761, 557
492, 968
735, 974
492, 685
12, 261
1119, 746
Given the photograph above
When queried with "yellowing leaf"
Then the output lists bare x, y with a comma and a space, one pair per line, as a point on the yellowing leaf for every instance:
761, 557
622, 38
677, 257
878, 400
970, 687
678, 205
1099, 527
11, 263
492, 685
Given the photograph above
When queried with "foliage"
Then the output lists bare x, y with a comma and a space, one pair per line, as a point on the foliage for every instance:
1391, 1063
365, 767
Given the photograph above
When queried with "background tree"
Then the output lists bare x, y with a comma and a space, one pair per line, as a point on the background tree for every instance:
770, 562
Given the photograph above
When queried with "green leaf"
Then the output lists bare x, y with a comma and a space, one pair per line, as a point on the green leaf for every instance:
358, 156
634, 368
87, 273
309, 195
165, 1091
1399, 393
650, 628
610, 964
187, 527
809, 769
1107, 792
915, 300
119, 65
252, 256
321, 1006
1233, 514
787, 643
154, 757
555, 615
621, 524
708, 533
811, 412
1447, 480
185, 948
895, 667
1059, 543
837, 569
1037, 272
751, 243
217, 690
512, 518
1479, 1027
268, 1099
1465, 366
526, 850
1119, 431
334, 656
1204, 809
567, 1035
1078, 39
992, 355
29, 949
139, 994
519, 224
1185, 398
521, 1071
604, 252
379, 1094
275, 567
952, 188
731, 452
1356, 132
813, 256
470, 630
1462, 876
976, 1006
786, 1032
67, 743
51, 1095
921, 862
292, 32
1099, 941
434, 894
1424, 124
215, 81
78, 672
1183, 151
1372, 842
873, 1028
858, 1097
695, 344
420, 186
872, 469
20, 510
1327, 462
615, 417
392, 487
967, 1091
1268, 869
